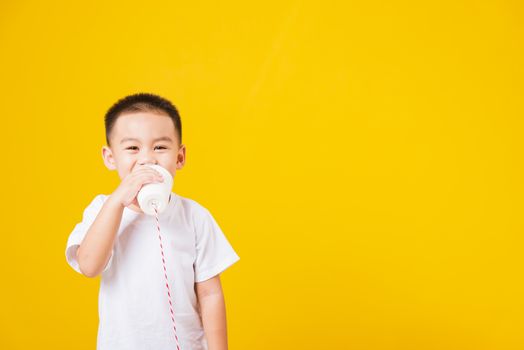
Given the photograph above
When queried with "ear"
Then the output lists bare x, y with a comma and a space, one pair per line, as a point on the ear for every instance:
181, 157
109, 160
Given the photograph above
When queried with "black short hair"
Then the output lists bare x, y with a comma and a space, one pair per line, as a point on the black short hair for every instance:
142, 102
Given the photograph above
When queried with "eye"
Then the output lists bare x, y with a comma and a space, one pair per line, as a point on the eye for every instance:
132, 148
162, 147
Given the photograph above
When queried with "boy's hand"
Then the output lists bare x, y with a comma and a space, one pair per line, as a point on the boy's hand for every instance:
131, 184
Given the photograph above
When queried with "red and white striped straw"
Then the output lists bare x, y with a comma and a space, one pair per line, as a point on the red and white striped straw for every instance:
165, 275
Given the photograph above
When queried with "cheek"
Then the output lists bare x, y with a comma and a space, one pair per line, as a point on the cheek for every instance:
126, 164
168, 162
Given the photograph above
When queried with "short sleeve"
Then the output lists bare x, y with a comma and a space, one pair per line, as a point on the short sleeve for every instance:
214, 254
77, 235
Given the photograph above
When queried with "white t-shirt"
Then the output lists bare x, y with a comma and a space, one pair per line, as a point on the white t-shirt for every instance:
133, 304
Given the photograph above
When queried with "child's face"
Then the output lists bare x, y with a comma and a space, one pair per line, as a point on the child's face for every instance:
140, 138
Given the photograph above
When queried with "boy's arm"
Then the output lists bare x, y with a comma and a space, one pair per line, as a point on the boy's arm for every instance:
213, 309
95, 250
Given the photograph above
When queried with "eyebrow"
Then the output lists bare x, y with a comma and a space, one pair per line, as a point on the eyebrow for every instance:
163, 138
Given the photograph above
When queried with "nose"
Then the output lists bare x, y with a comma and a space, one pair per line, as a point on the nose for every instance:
147, 159
143, 163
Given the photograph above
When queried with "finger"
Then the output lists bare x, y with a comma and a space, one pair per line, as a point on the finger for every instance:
147, 170
147, 178
141, 175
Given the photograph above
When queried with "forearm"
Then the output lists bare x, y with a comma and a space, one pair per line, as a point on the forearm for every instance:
213, 311
95, 250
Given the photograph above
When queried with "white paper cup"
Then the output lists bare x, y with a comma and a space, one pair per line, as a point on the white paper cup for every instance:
155, 193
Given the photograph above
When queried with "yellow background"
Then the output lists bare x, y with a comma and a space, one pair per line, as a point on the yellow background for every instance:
364, 159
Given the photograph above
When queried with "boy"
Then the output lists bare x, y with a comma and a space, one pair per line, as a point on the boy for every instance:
118, 241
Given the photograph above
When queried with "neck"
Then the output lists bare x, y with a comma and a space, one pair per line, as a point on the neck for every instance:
135, 208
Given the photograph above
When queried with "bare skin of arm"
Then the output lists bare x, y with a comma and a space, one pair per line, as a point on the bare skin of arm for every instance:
95, 250
213, 309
